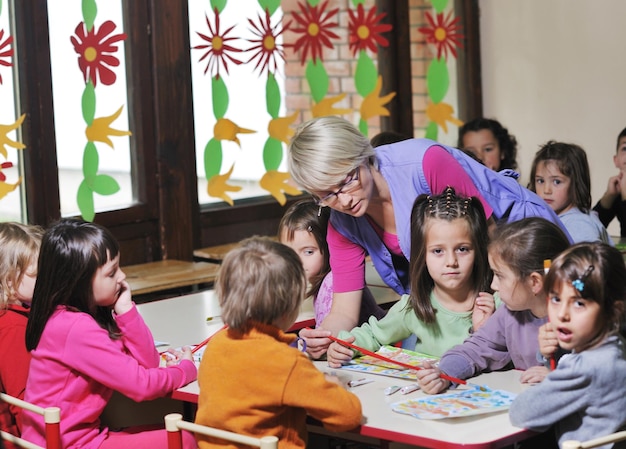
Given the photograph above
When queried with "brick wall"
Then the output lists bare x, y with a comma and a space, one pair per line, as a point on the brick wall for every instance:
340, 65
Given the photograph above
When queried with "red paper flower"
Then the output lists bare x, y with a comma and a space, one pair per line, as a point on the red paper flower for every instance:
314, 29
266, 48
4, 165
92, 49
218, 48
444, 33
365, 30
5, 53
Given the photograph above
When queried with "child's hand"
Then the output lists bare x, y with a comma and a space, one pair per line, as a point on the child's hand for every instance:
317, 341
430, 381
124, 300
534, 375
548, 342
484, 306
173, 356
338, 355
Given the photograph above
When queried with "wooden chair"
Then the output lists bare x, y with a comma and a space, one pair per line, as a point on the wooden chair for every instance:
612, 438
174, 423
51, 417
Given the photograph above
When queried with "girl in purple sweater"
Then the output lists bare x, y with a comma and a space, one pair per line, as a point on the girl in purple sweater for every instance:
509, 337
87, 339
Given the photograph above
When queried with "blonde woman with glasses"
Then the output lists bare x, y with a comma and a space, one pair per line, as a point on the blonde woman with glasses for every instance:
371, 193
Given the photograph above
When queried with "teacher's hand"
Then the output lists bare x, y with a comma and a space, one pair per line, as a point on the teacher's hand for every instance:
317, 341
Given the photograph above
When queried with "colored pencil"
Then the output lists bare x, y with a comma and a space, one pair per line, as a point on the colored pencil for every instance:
547, 263
395, 362
206, 340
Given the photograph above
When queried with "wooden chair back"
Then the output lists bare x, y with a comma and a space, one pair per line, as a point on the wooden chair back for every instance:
174, 423
52, 420
600, 441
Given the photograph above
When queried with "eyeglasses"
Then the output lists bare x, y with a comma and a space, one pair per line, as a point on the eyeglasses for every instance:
350, 185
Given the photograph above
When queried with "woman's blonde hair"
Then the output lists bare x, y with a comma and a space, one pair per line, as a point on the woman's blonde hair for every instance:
324, 150
261, 280
19, 249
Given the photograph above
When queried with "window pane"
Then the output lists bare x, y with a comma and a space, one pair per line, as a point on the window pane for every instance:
246, 89
11, 168
97, 169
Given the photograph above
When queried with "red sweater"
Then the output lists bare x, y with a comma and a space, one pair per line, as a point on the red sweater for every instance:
14, 362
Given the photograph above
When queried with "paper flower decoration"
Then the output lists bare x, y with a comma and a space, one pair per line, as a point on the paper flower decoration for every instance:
276, 183
4, 136
217, 47
95, 52
218, 186
325, 107
6, 52
440, 113
100, 129
365, 30
279, 129
443, 33
266, 49
373, 104
226, 129
314, 30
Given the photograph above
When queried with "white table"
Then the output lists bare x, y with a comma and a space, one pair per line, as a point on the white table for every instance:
489, 431
183, 321
189, 319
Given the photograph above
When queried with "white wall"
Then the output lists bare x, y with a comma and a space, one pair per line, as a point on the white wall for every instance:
556, 69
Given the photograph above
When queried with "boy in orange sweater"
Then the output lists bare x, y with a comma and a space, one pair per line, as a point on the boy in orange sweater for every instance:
251, 380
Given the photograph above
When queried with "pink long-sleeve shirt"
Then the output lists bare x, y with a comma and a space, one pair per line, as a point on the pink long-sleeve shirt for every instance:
77, 366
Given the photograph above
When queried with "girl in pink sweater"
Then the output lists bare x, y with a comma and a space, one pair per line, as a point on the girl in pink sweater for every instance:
87, 339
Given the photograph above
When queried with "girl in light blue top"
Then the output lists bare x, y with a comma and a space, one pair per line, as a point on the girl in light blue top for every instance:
560, 176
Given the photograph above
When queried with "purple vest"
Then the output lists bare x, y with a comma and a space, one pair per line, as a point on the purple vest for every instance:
401, 166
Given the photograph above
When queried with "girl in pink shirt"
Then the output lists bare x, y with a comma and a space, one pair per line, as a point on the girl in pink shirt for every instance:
87, 340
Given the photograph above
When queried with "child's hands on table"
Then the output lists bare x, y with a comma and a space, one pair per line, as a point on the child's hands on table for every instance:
534, 375
174, 356
430, 381
317, 341
338, 355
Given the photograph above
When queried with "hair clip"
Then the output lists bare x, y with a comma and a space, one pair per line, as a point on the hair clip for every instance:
579, 284
465, 206
319, 212
310, 228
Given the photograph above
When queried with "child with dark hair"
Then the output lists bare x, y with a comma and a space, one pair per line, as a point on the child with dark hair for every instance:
509, 338
560, 176
490, 143
583, 397
449, 278
87, 339
303, 228
613, 202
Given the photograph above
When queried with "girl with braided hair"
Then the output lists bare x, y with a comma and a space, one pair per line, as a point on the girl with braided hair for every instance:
449, 276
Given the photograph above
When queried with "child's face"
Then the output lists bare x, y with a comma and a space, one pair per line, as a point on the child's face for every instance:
107, 283
485, 147
449, 254
306, 247
553, 186
577, 320
620, 157
516, 294
25, 289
